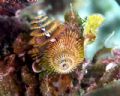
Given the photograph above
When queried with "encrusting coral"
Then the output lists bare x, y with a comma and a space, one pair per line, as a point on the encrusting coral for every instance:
50, 60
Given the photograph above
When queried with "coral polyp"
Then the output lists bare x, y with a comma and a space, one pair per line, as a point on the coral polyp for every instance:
44, 52
66, 54
62, 43
45, 24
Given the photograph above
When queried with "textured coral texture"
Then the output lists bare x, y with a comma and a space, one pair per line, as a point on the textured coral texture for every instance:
59, 48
